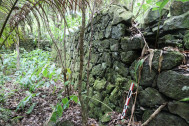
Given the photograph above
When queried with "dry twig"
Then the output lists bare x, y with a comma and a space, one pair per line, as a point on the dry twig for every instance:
154, 114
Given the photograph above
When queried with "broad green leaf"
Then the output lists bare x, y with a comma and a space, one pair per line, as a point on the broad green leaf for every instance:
65, 101
74, 98
155, 8
148, 1
182, 0
185, 99
59, 110
158, 4
163, 4
69, 71
53, 117
45, 73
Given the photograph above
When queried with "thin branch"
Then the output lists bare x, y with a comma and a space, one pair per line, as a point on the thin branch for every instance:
83, 112
154, 114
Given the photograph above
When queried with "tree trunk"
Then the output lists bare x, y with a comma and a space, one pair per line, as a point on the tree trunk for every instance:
83, 109
65, 70
18, 53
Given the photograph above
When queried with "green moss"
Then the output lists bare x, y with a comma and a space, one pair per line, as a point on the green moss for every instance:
99, 84
109, 88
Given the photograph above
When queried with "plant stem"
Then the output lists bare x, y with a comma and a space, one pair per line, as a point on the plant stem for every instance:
83, 110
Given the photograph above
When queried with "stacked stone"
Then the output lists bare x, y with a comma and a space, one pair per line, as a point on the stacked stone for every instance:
173, 29
114, 56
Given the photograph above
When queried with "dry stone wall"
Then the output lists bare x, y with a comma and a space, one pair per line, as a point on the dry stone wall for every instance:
114, 54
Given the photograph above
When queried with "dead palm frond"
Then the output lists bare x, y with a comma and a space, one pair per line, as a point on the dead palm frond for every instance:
18, 12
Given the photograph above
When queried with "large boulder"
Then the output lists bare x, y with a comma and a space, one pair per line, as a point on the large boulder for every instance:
170, 40
171, 84
129, 56
118, 31
179, 108
152, 16
177, 22
147, 76
178, 8
135, 43
164, 119
120, 14
150, 97
171, 59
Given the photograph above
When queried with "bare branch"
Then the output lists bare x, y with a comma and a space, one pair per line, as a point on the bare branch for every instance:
154, 114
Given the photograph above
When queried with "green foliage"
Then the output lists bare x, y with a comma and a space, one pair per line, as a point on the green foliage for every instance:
182, 0
36, 69
185, 99
25, 100
137, 66
60, 107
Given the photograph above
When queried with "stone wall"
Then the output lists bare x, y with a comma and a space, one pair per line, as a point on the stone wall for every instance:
31, 44
116, 48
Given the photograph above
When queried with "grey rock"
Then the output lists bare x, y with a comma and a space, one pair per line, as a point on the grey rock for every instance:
136, 43
177, 22
171, 83
122, 15
178, 8
147, 77
114, 45
118, 31
108, 31
169, 40
150, 97
129, 56
164, 119
105, 44
171, 59
180, 108
152, 17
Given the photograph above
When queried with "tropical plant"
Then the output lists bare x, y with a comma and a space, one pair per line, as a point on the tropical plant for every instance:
60, 107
